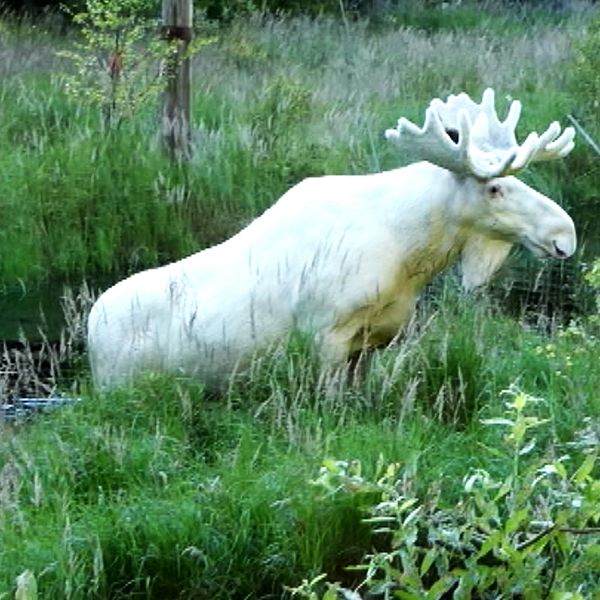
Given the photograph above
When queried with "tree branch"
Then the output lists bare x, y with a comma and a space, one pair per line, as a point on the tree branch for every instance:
548, 530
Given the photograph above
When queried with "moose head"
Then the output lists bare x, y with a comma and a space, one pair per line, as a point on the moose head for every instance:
469, 140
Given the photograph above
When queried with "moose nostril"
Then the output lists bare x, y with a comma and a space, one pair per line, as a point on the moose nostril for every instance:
560, 253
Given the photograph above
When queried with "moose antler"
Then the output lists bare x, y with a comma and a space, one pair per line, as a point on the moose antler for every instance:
468, 138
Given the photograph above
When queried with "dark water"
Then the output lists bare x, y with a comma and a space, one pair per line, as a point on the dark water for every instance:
26, 311
36, 361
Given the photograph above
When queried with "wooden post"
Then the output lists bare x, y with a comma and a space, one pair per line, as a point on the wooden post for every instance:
177, 18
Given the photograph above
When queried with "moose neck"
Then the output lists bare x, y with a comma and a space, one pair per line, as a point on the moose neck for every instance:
429, 219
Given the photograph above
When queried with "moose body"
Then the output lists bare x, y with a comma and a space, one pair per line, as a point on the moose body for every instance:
342, 258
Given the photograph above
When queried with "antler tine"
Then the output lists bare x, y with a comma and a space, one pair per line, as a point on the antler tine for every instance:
432, 143
513, 116
551, 145
524, 153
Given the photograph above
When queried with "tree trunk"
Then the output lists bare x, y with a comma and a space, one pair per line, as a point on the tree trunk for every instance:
176, 113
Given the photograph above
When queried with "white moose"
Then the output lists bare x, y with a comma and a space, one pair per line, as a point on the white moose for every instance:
342, 258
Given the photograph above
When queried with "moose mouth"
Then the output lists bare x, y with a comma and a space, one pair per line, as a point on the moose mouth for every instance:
543, 251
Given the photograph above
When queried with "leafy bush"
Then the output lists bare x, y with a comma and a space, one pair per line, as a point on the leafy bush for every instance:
435, 16
593, 278
586, 75
217, 9
117, 66
530, 533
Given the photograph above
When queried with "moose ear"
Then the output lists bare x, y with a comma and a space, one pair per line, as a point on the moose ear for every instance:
481, 258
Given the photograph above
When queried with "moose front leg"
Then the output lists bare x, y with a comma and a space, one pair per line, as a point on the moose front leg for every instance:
338, 344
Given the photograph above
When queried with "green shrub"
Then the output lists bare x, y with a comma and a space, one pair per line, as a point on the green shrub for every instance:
593, 278
225, 11
116, 66
586, 74
530, 534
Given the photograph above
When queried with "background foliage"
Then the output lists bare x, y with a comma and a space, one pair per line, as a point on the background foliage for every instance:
275, 100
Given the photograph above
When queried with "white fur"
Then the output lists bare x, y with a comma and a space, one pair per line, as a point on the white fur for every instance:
342, 258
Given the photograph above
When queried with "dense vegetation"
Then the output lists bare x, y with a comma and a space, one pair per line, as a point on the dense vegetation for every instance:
276, 100
160, 491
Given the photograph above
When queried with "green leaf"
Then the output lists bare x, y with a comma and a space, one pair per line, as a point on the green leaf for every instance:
520, 401
515, 519
412, 516
407, 595
527, 448
331, 593
519, 430
428, 560
583, 472
26, 586
505, 488
494, 540
493, 451
466, 583
440, 587
563, 541
407, 504
560, 469
498, 421
317, 579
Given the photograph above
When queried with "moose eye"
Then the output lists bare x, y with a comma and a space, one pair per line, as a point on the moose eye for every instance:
494, 189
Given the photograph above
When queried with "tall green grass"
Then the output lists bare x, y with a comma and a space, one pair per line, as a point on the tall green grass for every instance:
160, 491
275, 100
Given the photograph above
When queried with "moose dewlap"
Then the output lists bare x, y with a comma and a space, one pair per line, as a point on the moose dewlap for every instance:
341, 258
